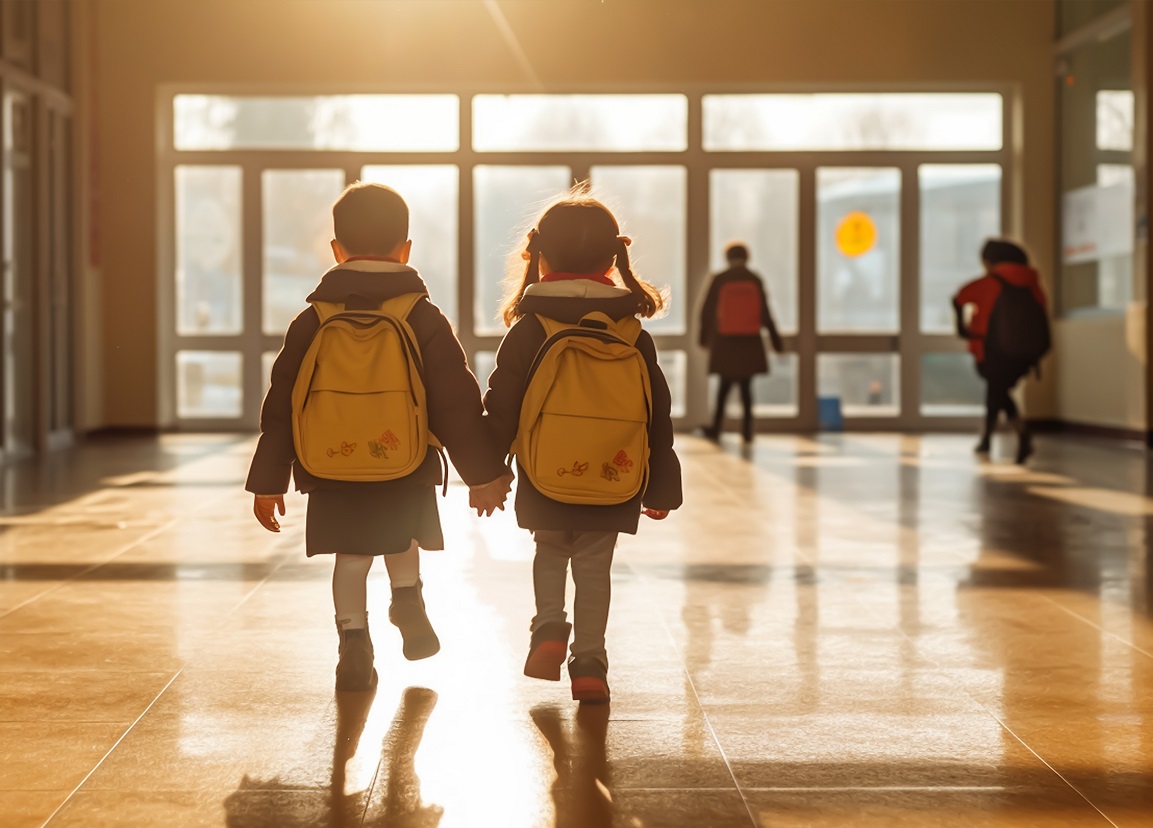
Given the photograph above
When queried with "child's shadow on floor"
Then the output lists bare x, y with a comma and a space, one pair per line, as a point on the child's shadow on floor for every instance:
396, 803
581, 790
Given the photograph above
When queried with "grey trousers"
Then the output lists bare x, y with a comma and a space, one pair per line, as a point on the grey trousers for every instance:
591, 554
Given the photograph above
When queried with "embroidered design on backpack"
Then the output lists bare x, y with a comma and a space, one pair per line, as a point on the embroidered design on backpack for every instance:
577, 469
623, 462
382, 445
609, 472
377, 450
345, 450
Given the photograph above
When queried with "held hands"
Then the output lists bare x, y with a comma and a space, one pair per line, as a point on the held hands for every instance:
655, 514
491, 496
265, 508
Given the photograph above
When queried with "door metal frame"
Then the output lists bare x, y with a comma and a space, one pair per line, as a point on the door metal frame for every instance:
908, 342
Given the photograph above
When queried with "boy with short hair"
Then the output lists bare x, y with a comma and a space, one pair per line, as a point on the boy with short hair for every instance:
357, 521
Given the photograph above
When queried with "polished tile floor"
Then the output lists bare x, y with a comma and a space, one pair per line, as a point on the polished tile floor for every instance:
860, 630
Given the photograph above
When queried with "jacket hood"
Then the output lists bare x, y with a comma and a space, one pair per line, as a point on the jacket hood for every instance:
569, 300
370, 281
1016, 274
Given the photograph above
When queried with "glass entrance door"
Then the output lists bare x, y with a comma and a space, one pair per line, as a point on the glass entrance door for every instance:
860, 264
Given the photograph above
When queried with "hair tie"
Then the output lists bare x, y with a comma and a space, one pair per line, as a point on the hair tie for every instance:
625, 240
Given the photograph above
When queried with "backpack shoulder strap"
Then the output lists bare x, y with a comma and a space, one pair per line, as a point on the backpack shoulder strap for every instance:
326, 310
627, 328
401, 306
551, 326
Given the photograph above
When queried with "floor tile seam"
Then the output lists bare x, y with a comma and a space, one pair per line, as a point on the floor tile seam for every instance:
1009, 730
1046, 763
170, 682
87, 570
712, 731
111, 749
990, 712
1097, 627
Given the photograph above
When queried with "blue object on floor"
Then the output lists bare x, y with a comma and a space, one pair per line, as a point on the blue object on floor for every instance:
829, 414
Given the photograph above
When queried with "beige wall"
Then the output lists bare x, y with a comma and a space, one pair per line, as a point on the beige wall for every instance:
567, 44
1101, 362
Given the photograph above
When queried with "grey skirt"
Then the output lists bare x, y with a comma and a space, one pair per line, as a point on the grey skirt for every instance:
352, 521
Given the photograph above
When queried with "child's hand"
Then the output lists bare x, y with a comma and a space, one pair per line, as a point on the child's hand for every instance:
265, 508
655, 514
491, 496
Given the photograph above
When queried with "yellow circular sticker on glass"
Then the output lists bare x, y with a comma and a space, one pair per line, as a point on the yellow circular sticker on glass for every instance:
856, 234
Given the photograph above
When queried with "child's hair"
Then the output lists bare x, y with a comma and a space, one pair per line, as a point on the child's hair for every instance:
370, 219
997, 251
736, 252
578, 234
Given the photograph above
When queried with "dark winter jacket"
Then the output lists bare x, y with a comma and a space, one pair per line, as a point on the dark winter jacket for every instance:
736, 357
455, 414
568, 302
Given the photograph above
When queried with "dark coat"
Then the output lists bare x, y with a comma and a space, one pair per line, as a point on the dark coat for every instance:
455, 414
736, 357
506, 387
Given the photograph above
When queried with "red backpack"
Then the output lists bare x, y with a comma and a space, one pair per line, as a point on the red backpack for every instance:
739, 308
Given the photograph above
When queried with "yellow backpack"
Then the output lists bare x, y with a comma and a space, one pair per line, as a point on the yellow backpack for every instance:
358, 405
583, 435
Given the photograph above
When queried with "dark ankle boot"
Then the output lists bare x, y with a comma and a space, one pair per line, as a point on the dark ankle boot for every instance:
407, 614
1024, 446
354, 671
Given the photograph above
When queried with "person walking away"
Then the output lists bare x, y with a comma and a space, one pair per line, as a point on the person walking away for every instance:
369, 380
579, 397
734, 312
1003, 316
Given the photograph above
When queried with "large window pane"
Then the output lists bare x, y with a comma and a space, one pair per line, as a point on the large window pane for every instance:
858, 249
297, 232
208, 384
1115, 114
868, 385
607, 123
675, 366
1118, 184
649, 204
1097, 220
208, 251
960, 209
508, 200
432, 193
950, 386
774, 394
759, 208
884, 121
364, 123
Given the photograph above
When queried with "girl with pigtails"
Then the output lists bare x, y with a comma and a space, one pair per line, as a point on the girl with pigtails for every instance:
577, 264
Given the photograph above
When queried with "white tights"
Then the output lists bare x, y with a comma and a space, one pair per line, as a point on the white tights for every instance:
350, 583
